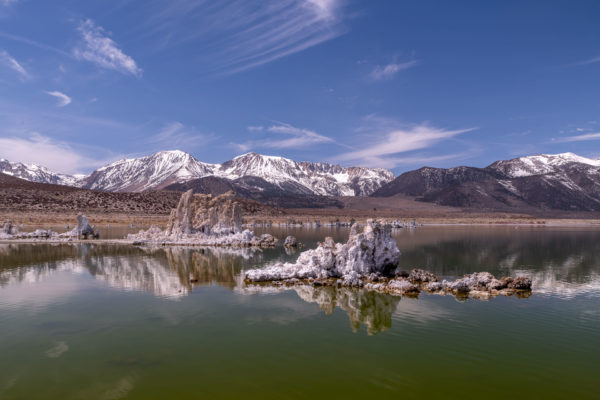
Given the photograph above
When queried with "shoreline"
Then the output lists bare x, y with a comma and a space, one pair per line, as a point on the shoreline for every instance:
295, 219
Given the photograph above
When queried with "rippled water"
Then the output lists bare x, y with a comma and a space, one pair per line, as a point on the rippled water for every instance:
110, 322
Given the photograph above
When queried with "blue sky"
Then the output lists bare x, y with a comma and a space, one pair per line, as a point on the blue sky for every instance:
394, 84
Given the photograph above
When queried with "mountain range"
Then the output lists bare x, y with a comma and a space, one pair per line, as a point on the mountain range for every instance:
561, 182
543, 182
159, 170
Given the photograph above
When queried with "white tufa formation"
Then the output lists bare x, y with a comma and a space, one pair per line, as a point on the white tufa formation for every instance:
372, 251
207, 221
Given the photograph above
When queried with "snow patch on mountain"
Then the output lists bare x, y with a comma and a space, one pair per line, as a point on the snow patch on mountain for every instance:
151, 172
37, 173
540, 164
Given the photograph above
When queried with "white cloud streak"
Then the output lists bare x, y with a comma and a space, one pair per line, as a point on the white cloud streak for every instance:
232, 35
579, 138
300, 137
383, 152
296, 138
63, 99
176, 135
33, 43
386, 72
103, 51
587, 62
42, 150
13, 64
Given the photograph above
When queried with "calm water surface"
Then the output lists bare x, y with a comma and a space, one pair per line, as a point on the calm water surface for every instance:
114, 322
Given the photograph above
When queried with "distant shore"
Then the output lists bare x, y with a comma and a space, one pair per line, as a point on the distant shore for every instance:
295, 218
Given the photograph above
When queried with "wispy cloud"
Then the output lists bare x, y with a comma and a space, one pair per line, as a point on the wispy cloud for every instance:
33, 43
579, 138
63, 99
586, 62
7, 60
300, 137
232, 36
56, 155
385, 72
101, 50
384, 150
7, 3
176, 135
293, 137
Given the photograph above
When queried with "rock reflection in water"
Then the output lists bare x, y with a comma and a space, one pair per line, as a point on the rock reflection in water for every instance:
373, 309
172, 271
167, 272
367, 307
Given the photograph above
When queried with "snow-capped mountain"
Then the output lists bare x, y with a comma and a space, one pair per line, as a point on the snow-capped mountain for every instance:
36, 173
151, 172
540, 164
167, 167
560, 181
159, 170
307, 177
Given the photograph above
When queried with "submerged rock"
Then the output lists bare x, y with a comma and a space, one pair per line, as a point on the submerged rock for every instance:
205, 220
290, 241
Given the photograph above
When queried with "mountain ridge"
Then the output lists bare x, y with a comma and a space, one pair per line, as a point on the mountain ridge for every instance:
164, 168
563, 181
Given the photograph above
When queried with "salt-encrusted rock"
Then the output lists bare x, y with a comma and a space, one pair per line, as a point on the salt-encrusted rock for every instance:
496, 284
460, 286
371, 251
420, 275
9, 228
401, 286
205, 214
434, 286
486, 282
83, 226
520, 283
204, 220
290, 241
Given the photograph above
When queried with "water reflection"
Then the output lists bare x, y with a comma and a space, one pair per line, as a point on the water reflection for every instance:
372, 309
166, 272
562, 263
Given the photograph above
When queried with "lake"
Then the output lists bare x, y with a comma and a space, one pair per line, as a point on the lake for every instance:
98, 321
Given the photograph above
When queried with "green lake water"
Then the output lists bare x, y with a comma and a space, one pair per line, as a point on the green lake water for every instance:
114, 322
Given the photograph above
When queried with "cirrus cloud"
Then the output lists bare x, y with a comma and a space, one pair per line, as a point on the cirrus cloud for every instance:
63, 99
101, 50
293, 137
579, 138
385, 149
385, 72
13, 64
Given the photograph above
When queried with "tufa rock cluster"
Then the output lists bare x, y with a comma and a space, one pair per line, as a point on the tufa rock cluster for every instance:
203, 219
